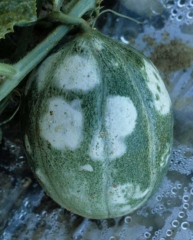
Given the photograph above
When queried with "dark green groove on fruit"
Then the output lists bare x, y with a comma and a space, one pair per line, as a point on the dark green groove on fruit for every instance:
98, 127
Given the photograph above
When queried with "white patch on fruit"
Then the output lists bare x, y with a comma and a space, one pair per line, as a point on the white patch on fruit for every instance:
121, 193
77, 73
165, 156
155, 84
62, 124
120, 121
27, 144
87, 168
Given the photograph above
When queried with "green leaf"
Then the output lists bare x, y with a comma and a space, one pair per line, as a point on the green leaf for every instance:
16, 12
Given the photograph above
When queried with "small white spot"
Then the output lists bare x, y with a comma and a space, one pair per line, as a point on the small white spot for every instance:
155, 84
62, 125
165, 156
86, 167
77, 73
120, 121
27, 144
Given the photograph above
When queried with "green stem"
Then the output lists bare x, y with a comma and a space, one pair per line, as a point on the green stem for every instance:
25, 65
69, 20
7, 70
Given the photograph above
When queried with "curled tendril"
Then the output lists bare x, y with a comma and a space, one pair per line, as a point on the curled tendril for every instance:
119, 15
13, 99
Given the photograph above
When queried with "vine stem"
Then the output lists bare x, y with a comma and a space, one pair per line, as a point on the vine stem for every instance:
25, 65
68, 19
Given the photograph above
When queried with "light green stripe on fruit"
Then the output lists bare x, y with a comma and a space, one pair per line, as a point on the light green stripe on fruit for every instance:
156, 86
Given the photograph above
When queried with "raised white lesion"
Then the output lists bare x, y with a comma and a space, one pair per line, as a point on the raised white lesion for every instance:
77, 73
86, 168
161, 99
120, 121
62, 124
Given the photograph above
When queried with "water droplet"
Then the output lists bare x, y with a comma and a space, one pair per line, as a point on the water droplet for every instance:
175, 223
186, 198
185, 189
174, 190
179, 186
174, 12
112, 238
185, 225
191, 191
158, 198
186, 205
147, 235
169, 233
44, 214
128, 219
181, 214
181, 3
179, 18
161, 207
153, 211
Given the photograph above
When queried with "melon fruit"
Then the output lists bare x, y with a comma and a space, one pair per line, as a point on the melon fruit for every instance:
98, 126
